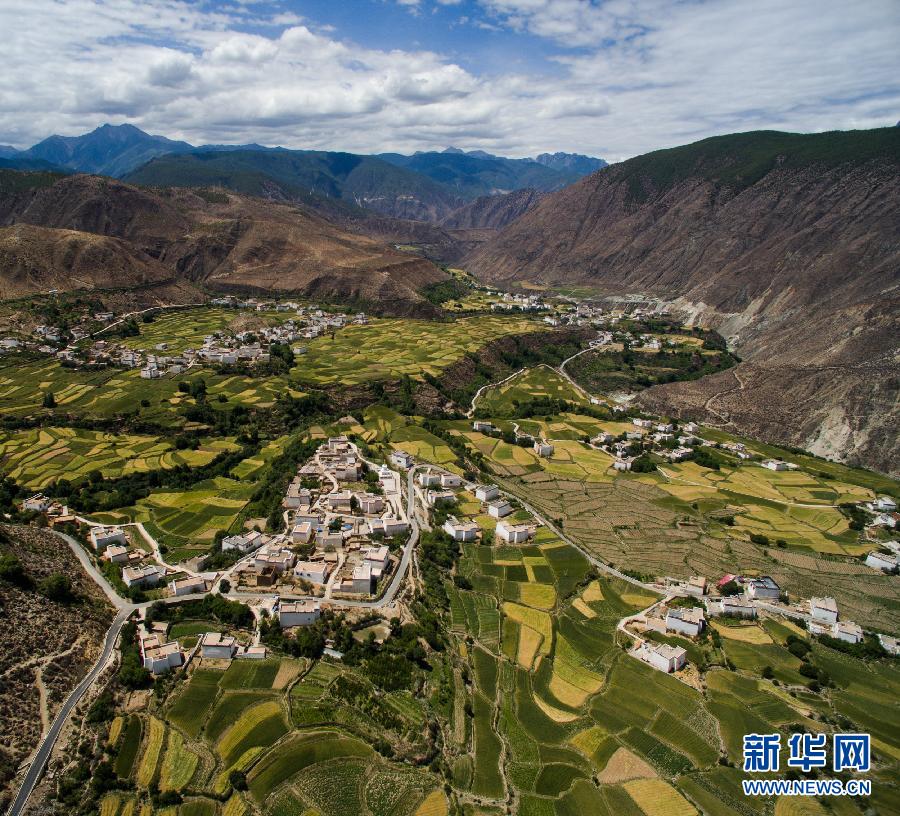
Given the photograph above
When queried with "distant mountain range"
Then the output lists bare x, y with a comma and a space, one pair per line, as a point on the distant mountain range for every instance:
788, 243
424, 186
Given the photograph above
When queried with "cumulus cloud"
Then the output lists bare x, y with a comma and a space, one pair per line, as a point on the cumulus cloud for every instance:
628, 77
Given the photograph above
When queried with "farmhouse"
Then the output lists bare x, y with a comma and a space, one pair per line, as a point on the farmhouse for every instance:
731, 607
847, 631
435, 496
460, 530
361, 582
514, 533
661, 656
642, 423
37, 503
887, 562
246, 542
777, 464
486, 493
763, 588
147, 576
543, 448
339, 500
499, 508
315, 572
402, 459
688, 622
117, 554
302, 533
885, 504
187, 586
622, 464
450, 480
369, 503
429, 479
102, 537
890, 644
695, 585
158, 656
298, 613
823, 610
280, 559
483, 427
387, 526
215, 645
297, 496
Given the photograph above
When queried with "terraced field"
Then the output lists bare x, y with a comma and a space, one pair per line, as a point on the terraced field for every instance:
537, 383
38, 457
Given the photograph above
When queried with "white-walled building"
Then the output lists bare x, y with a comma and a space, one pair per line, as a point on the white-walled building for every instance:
689, 622
37, 503
316, 572
362, 579
102, 537
117, 554
499, 508
402, 459
217, 646
187, 586
450, 480
369, 503
435, 496
302, 533
823, 610
887, 562
514, 533
847, 631
732, 606
157, 655
298, 613
661, 656
429, 479
148, 575
460, 530
388, 526
543, 448
763, 588
486, 493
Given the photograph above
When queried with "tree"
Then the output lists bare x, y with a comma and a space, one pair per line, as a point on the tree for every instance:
49, 400
58, 587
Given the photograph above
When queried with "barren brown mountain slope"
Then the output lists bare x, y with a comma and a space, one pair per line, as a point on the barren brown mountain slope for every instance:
224, 241
790, 245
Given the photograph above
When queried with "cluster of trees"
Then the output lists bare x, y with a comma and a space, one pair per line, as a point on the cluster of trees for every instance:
211, 606
132, 674
54, 587
266, 500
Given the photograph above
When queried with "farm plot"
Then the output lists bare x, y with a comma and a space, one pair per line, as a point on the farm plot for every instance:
537, 383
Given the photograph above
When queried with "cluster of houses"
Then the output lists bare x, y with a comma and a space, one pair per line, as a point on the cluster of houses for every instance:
883, 513
56, 512
335, 538
541, 447
159, 654
667, 440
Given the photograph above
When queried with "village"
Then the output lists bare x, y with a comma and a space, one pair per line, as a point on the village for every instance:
83, 344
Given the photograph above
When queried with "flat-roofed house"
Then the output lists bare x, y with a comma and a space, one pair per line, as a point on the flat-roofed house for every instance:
369, 503
279, 559
662, 656
886, 562
37, 503
315, 572
543, 448
499, 508
763, 588
362, 579
460, 530
187, 586
302, 533
157, 655
823, 610
450, 480
148, 575
731, 606
435, 496
486, 493
298, 613
429, 479
847, 631
688, 622
514, 533
117, 554
379, 558
339, 500
102, 537
695, 585
402, 459
297, 496
388, 526
217, 646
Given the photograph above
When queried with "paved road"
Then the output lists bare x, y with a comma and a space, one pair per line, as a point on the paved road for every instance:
46, 747
98, 577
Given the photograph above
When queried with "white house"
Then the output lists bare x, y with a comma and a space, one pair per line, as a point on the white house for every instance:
890, 644
885, 504
435, 496
187, 586
514, 533
777, 464
38, 503
302, 533
847, 631
369, 503
102, 537
362, 578
315, 572
542, 448
402, 459
823, 610
148, 575
887, 562
450, 480
388, 526
460, 530
215, 645
339, 500
483, 427
117, 554
245, 542
884, 520
696, 585
158, 656
499, 508
688, 622
379, 558
429, 479
662, 656
298, 613
642, 423
732, 606
297, 496
763, 588
279, 559
486, 493
691, 428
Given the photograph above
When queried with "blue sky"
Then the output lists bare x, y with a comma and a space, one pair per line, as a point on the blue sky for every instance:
611, 78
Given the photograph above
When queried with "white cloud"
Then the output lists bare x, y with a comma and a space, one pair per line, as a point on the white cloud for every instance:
633, 75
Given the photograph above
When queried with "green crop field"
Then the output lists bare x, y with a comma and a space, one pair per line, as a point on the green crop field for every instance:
533, 384
36, 458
